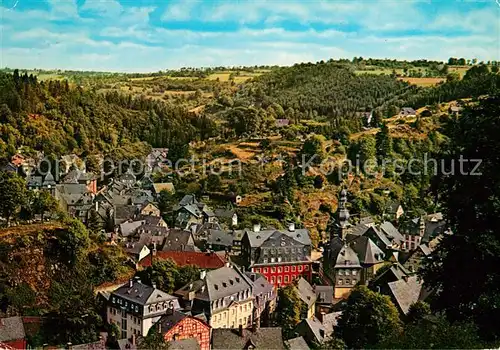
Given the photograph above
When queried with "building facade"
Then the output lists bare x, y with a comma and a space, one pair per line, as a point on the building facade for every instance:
136, 307
178, 326
280, 256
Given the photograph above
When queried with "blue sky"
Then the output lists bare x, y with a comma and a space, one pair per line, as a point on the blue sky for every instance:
152, 35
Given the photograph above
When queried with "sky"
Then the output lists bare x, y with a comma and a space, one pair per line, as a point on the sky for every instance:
152, 35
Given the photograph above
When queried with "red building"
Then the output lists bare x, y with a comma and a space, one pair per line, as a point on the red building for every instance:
12, 332
178, 326
202, 260
281, 256
283, 274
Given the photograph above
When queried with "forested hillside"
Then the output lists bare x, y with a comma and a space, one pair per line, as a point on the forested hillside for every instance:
56, 119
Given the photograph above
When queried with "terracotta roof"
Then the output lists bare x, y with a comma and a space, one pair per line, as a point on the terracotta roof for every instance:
202, 260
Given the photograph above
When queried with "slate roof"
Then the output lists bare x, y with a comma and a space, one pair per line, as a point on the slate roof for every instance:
391, 232
224, 213
324, 294
178, 240
184, 344
306, 292
129, 228
143, 294
125, 212
316, 328
11, 328
188, 199
381, 235
202, 260
257, 238
347, 257
153, 230
368, 252
297, 344
220, 237
330, 321
406, 292
264, 338
220, 283
168, 321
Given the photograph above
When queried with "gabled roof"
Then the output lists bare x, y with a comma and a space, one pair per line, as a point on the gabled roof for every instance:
306, 292
202, 260
188, 199
143, 294
380, 235
316, 328
184, 344
405, 292
347, 258
169, 320
264, 338
224, 213
297, 344
257, 238
368, 252
129, 228
260, 284
220, 237
217, 284
11, 328
179, 240
391, 232
324, 294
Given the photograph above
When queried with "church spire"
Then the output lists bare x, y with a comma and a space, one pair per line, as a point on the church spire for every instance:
343, 214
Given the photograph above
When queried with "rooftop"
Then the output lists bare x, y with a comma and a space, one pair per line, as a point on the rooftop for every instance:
262, 338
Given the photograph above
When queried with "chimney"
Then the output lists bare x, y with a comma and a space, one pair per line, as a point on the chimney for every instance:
69, 345
96, 206
203, 274
154, 285
228, 264
240, 330
131, 283
137, 279
291, 226
321, 316
252, 277
256, 228
154, 248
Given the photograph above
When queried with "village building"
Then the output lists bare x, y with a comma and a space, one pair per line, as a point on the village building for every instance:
175, 326
12, 332
223, 295
265, 298
281, 256
135, 307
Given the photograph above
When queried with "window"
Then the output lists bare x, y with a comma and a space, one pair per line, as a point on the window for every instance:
354, 272
273, 280
265, 269
273, 269
287, 268
279, 258
293, 268
340, 281
286, 278
347, 281
272, 260
257, 270
300, 268
279, 279
341, 272
347, 272
306, 268
279, 268
265, 260
244, 320
353, 282
239, 321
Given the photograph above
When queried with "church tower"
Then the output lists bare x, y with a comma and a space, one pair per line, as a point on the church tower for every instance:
341, 224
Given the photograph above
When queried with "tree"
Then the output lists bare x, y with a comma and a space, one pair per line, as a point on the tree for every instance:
288, 310
73, 242
213, 182
435, 332
153, 341
12, 195
313, 148
453, 76
367, 319
168, 276
418, 311
166, 201
384, 142
469, 257
44, 202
